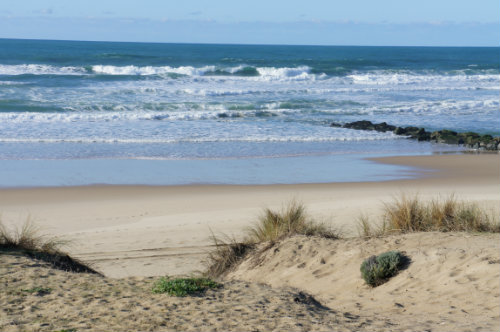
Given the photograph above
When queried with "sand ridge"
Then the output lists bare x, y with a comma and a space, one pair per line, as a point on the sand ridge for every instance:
452, 282
87, 302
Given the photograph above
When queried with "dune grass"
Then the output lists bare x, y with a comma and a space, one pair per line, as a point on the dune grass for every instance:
183, 286
271, 226
226, 254
408, 214
28, 240
291, 220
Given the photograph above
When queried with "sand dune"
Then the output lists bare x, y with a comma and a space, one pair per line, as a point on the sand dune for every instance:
452, 283
86, 302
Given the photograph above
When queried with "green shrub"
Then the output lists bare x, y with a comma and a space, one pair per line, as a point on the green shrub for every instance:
376, 270
183, 286
38, 290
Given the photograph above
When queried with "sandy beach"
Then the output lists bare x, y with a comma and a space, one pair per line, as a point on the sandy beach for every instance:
150, 231
134, 233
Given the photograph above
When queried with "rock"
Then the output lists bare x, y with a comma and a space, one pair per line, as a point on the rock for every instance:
360, 125
383, 127
446, 136
486, 138
399, 131
422, 135
469, 139
412, 130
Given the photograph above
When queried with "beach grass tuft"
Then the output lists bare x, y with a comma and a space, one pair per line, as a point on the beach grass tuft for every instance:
28, 238
291, 220
226, 255
29, 241
406, 214
271, 226
183, 286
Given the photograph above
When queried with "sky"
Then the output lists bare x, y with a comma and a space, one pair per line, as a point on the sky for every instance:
311, 22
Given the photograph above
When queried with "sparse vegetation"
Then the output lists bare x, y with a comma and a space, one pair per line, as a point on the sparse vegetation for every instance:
38, 290
183, 286
28, 237
291, 220
410, 214
376, 270
225, 256
271, 226
29, 241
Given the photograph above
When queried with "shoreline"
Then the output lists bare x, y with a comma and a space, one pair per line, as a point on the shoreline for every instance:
158, 230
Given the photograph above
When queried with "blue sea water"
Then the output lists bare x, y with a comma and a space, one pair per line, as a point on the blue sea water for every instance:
229, 105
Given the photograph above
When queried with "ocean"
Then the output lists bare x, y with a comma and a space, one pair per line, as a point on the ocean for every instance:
79, 113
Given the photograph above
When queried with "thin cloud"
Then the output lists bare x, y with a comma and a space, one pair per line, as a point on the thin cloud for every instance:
44, 11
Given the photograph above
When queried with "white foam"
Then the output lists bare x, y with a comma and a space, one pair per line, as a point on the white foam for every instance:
150, 70
404, 78
37, 69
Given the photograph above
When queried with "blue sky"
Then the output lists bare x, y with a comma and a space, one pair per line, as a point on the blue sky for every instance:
333, 22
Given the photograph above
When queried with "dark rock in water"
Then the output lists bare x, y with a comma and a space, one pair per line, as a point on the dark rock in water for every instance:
222, 115
486, 138
383, 127
399, 131
469, 139
446, 136
360, 125
411, 131
422, 135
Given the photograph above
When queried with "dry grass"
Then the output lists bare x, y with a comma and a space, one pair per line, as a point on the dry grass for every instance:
410, 214
291, 220
28, 238
226, 255
271, 226
29, 241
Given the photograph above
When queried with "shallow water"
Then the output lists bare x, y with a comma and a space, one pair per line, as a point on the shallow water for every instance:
204, 105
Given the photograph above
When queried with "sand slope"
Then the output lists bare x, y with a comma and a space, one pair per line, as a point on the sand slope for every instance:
87, 302
452, 283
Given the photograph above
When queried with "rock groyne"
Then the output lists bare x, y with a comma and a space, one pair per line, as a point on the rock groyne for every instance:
470, 140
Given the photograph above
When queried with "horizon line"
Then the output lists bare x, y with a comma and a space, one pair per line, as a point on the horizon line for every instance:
243, 44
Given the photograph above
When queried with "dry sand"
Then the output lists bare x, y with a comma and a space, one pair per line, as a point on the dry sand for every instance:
135, 232
451, 284
147, 231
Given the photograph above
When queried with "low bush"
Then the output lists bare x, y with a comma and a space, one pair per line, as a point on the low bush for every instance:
376, 270
183, 286
38, 290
